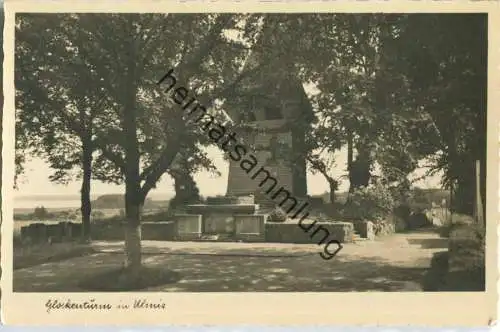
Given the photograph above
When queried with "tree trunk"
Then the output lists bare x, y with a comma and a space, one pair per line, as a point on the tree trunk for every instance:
359, 172
451, 203
350, 158
133, 210
86, 207
133, 195
483, 186
333, 188
133, 238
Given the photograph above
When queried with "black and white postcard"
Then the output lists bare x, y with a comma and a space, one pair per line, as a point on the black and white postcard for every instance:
250, 163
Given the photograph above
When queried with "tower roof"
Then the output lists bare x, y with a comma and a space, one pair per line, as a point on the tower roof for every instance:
270, 90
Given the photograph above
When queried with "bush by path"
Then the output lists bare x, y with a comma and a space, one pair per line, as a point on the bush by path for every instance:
466, 256
462, 268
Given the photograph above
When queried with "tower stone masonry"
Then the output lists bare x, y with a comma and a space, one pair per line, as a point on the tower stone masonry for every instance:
280, 110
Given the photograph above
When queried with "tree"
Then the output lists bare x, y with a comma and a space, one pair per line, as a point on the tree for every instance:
341, 56
182, 170
361, 90
322, 141
141, 131
318, 165
363, 100
395, 89
56, 115
144, 131
195, 55
364, 93
41, 213
444, 59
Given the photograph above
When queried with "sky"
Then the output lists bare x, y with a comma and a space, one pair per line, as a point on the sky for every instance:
35, 180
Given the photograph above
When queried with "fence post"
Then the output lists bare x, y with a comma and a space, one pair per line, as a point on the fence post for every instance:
478, 206
451, 203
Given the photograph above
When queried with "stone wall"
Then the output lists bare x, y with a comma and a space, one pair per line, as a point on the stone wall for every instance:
188, 227
160, 230
384, 227
292, 233
42, 233
250, 228
224, 200
108, 231
366, 230
246, 199
378, 228
115, 231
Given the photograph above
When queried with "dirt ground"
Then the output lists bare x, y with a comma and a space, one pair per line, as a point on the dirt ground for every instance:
394, 263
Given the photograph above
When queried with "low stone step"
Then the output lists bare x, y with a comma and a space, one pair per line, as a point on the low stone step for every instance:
357, 237
360, 239
214, 237
217, 237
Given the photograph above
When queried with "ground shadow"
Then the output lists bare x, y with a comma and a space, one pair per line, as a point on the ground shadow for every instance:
420, 230
198, 273
439, 243
119, 279
41, 254
440, 279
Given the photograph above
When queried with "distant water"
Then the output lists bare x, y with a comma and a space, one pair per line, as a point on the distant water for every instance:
53, 201
46, 203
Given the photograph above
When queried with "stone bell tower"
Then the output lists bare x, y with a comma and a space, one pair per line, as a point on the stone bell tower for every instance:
279, 111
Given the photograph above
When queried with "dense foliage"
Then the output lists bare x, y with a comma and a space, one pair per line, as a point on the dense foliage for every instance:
373, 203
277, 215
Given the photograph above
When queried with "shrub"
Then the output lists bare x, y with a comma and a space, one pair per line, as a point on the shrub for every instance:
419, 201
277, 215
403, 211
418, 220
401, 217
383, 227
467, 238
164, 215
462, 219
96, 215
458, 220
333, 211
373, 203
316, 202
467, 255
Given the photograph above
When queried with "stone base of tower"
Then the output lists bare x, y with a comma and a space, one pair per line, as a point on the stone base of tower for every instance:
272, 146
